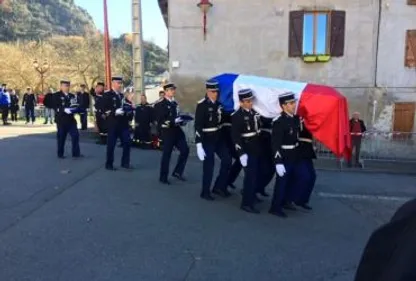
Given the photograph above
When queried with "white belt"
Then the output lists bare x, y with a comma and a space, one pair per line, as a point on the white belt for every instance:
225, 125
305, 140
208, 130
266, 130
165, 126
289, 146
248, 135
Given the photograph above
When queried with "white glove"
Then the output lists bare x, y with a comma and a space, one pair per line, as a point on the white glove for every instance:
243, 160
200, 151
67, 111
280, 169
119, 111
178, 120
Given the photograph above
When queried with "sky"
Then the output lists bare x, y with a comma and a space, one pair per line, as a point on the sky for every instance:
119, 18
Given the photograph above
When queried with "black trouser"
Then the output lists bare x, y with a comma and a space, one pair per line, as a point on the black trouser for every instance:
356, 147
84, 120
13, 113
5, 114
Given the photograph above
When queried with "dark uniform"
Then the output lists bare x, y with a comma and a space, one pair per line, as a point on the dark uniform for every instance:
156, 109
305, 184
100, 117
14, 106
29, 103
65, 121
226, 135
267, 170
143, 119
84, 103
285, 133
245, 133
172, 136
118, 125
207, 135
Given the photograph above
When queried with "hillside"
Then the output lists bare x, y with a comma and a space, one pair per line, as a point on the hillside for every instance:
38, 19
34, 20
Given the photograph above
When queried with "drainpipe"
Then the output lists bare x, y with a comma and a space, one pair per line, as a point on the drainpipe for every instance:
380, 7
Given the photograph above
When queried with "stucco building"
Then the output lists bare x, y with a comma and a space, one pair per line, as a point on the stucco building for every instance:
364, 48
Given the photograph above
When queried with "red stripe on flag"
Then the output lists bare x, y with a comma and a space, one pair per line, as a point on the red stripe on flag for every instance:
325, 112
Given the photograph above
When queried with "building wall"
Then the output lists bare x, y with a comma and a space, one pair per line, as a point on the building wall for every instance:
251, 37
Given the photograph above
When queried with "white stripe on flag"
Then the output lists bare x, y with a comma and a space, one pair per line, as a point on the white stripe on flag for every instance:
266, 92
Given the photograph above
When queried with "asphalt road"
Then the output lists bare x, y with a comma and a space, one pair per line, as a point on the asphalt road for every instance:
73, 220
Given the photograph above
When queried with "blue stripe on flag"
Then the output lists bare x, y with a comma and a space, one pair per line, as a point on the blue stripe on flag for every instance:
226, 82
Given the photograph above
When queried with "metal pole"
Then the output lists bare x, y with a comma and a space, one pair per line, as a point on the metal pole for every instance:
137, 36
41, 78
107, 49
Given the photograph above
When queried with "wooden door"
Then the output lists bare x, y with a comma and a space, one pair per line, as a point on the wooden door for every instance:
404, 117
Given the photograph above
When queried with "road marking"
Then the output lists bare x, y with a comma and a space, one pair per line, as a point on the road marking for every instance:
363, 197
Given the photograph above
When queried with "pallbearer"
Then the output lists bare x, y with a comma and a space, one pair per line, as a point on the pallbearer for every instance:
285, 133
169, 121
245, 134
209, 142
307, 154
266, 162
65, 105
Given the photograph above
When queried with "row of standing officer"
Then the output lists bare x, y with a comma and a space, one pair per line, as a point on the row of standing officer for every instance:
262, 145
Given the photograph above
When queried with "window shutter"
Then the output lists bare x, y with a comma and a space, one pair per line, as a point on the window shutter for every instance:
410, 54
337, 42
411, 2
295, 33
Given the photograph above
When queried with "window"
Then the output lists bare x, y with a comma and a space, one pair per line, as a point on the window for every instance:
410, 52
316, 33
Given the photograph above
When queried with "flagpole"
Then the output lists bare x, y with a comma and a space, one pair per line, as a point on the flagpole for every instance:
107, 49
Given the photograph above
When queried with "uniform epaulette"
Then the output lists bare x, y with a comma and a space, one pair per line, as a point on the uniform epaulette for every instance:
277, 117
201, 101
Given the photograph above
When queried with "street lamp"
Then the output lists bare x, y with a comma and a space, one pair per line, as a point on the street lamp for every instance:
41, 69
204, 6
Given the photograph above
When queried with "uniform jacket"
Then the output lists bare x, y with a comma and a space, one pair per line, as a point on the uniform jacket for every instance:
112, 101
83, 100
245, 132
285, 134
208, 120
48, 101
60, 102
306, 150
167, 112
29, 100
144, 115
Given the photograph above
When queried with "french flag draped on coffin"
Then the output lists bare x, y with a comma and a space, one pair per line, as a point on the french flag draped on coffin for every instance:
323, 108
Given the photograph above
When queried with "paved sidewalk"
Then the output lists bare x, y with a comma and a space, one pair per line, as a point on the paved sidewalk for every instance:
72, 220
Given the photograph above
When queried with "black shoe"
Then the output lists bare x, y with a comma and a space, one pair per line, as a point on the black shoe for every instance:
165, 182
232, 186
263, 193
179, 177
45, 123
222, 193
78, 156
110, 168
290, 207
305, 207
207, 197
257, 200
61, 157
127, 167
250, 209
279, 214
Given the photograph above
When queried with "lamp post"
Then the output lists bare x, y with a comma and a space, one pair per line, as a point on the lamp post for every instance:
41, 69
205, 5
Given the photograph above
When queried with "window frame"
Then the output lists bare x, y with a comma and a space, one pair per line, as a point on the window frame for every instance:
315, 14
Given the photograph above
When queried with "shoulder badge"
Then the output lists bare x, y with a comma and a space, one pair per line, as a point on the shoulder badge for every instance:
201, 101
277, 117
